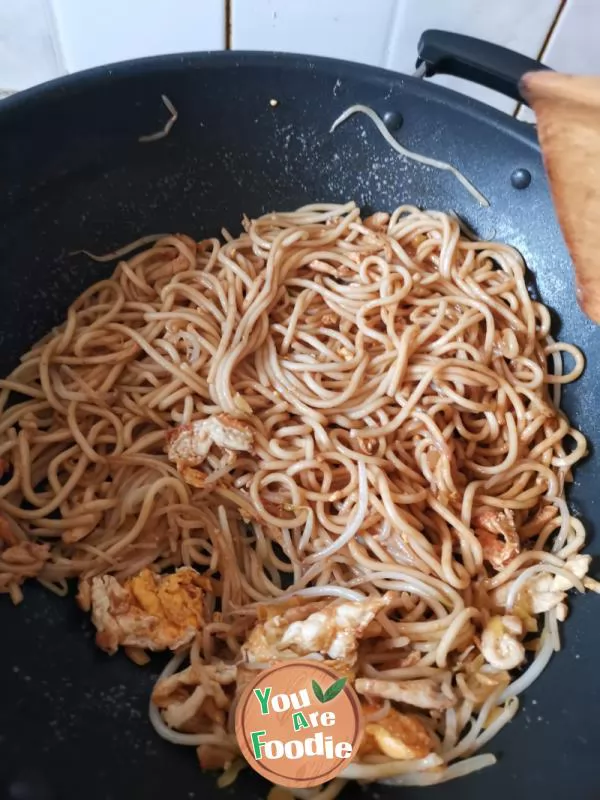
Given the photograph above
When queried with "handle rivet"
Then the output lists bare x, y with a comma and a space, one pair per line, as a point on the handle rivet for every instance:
392, 120
521, 178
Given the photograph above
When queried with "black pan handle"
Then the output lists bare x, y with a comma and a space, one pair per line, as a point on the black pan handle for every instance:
443, 53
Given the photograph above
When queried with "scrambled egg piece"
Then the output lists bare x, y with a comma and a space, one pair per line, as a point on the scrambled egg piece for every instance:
500, 642
398, 736
155, 612
546, 591
421, 692
189, 445
497, 535
541, 594
328, 630
579, 565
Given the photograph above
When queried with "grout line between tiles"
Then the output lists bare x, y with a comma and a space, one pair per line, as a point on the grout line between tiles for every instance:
228, 24
546, 43
57, 43
561, 8
391, 37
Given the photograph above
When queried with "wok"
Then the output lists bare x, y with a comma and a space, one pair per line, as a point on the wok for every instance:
74, 175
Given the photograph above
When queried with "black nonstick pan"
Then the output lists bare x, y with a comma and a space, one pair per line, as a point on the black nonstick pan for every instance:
73, 721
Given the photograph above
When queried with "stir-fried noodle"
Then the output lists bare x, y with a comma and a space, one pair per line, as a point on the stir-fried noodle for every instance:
323, 410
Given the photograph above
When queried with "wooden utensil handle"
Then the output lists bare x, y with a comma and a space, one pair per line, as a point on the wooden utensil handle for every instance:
567, 109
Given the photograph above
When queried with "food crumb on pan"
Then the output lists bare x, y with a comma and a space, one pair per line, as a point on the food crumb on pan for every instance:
164, 131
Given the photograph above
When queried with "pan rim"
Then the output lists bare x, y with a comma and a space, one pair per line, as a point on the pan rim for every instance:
339, 69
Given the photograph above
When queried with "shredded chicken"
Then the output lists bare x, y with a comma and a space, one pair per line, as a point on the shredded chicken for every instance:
138, 655
189, 445
377, 221
7, 534
19, 560
211, 757
154, 612
328, 630
24, 560
497, 535
28, 557
195, 699
181, 715
420, 693
176, 687
83, 598
398, 736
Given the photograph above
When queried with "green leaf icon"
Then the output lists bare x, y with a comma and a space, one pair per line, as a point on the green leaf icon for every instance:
334, 689
318, 692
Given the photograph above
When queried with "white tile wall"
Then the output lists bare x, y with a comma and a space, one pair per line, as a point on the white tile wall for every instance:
96, 32
520, 25
41, 39
574, 45
386, 32
350, 29
28, 48
575, 42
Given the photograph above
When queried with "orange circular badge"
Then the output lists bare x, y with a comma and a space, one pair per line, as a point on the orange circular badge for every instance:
298, 724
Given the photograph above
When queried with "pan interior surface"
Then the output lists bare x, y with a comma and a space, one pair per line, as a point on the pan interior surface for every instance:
76, 176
